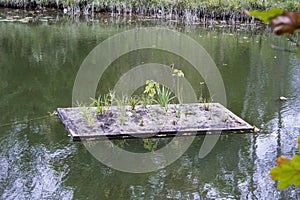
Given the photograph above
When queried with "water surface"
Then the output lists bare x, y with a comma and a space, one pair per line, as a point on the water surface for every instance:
38, 65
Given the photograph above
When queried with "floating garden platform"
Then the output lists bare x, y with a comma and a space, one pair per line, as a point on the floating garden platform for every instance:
85, 123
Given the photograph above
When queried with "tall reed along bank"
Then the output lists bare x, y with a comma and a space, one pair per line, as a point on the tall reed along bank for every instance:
166, 9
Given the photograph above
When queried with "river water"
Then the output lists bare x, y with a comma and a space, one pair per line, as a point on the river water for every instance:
39, 63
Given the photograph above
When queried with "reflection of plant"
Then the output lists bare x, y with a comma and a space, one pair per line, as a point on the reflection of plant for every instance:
288, 171
150, 144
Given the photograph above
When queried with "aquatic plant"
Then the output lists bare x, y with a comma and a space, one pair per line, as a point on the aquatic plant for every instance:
201, 92
98, 103
178, 111
87, 114
107, 101
151, 88
164, 97
134, 101
176, 75
206, 104
146, 100
122, 102
103, 103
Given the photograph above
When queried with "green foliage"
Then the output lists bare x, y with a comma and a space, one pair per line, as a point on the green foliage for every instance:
164, 97
103, 103
206, 104
88, 115
177, 88
122, 102
99, 105
178, 112
133, 101
287, 171
146, 100
201, 99
210, 5
266, 16
298, 52
150, 144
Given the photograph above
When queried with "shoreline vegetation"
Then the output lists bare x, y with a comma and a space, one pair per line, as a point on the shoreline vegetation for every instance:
189, 10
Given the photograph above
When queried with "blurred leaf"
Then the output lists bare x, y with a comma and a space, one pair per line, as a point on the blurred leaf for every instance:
298, 55
287, 172
266, 16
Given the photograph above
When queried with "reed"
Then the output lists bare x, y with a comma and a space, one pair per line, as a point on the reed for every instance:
156, 8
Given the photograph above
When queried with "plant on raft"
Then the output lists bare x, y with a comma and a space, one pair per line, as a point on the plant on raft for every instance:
176, 75
206, 104
162, 94
134, 101
164, 97
151, 88
103, 103
146, 100
287, 171
88, 115
201, 99
122, 102
99, 104
204, 101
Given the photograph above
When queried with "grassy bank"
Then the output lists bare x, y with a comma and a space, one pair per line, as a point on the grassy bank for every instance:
220, 9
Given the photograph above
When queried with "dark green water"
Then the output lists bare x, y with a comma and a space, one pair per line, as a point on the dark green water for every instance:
38, 66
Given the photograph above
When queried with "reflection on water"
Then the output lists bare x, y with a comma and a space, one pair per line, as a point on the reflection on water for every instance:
38, 66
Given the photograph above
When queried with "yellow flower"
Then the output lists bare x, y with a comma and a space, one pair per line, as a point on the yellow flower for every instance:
178, 72
147, 88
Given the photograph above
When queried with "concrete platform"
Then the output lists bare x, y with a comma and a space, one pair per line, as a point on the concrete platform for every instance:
83, 123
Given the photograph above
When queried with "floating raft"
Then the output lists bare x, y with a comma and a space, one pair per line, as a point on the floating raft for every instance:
119, 122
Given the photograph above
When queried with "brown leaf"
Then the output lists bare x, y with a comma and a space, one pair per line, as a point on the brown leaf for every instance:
286, 23
282, 159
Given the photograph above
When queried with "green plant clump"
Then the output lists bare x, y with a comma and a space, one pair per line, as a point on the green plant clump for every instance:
162, 94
